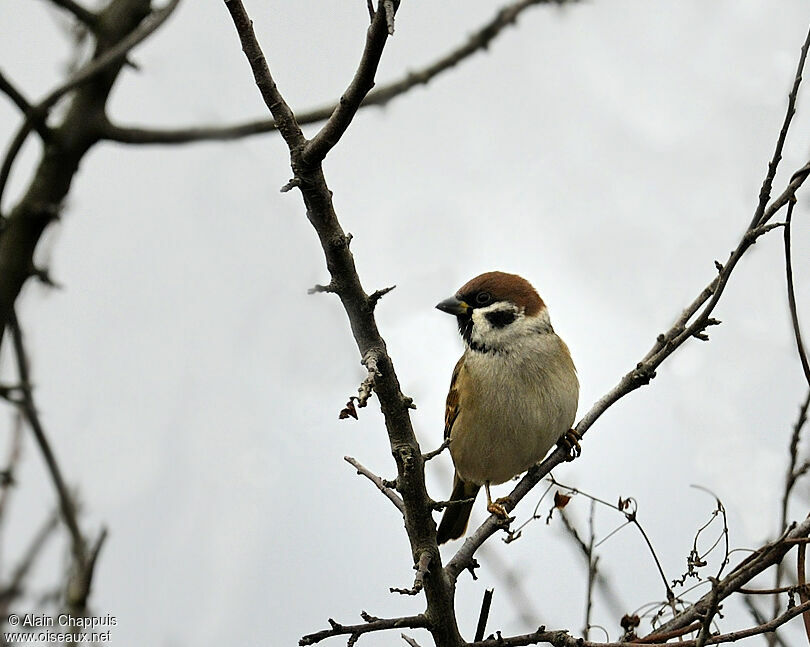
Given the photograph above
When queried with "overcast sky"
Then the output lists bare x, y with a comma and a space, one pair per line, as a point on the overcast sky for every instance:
607, 151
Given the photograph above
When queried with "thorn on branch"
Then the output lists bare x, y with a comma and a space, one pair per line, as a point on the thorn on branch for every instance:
719, 266
375, 296
365, 615
318, 288
408, 402
292, 184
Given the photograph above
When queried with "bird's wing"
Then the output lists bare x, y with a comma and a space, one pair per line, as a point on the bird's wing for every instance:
452, 407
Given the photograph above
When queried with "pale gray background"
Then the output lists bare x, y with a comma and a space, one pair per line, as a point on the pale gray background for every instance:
608, 151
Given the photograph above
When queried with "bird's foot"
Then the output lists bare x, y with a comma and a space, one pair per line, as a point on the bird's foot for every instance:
569, 441
496, 508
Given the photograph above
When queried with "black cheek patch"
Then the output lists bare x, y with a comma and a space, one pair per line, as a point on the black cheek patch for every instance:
500, 318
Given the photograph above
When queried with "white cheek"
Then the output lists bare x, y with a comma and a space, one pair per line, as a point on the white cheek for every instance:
486, 334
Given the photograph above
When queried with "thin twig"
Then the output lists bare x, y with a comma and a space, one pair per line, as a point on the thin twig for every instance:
794, 314
66, 505
392, 496
765, 191
422, 567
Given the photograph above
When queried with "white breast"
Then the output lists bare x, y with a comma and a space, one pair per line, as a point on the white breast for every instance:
514, 406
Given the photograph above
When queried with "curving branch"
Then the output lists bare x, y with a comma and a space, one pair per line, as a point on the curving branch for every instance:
80, 13
380, 96
794, 313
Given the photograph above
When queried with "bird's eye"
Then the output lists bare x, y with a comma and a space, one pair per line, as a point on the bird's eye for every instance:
483, 298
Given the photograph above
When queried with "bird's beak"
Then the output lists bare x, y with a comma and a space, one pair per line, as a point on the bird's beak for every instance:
454, 306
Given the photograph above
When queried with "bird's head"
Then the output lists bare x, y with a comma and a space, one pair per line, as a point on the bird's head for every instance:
497, 311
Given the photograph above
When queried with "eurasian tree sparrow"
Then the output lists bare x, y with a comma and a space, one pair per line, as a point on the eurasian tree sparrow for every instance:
513, 394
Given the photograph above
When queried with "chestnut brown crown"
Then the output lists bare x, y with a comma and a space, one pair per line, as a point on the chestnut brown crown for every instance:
501, 286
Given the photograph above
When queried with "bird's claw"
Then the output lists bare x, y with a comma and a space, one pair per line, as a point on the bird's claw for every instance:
569, 441
496, 508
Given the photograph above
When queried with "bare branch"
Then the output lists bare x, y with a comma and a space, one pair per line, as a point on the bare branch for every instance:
483, 616
355, 631
478, 41
393, 496
765, 191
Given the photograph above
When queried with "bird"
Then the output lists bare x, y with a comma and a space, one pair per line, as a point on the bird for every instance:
513, 393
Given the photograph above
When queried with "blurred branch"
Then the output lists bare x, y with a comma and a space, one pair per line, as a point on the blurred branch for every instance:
8, 474
125, 23
29, 412
478, 41
108, 58
600, 579
28, 111
14, 588
85, 16
84, 561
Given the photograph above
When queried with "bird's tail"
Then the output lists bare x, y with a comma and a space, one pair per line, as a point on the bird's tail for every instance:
455, 518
